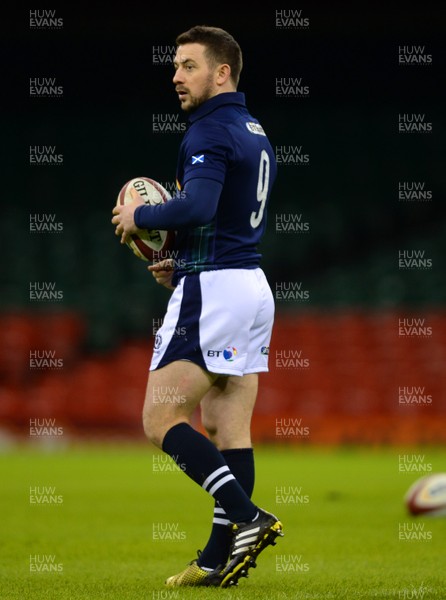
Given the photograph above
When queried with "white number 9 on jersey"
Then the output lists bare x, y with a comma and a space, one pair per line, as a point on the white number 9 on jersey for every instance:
262, 189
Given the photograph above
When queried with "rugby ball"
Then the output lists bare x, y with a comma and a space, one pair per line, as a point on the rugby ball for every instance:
427, 496
154, 244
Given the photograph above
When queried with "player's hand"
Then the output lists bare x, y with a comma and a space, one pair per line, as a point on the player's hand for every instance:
124, 217
163, 272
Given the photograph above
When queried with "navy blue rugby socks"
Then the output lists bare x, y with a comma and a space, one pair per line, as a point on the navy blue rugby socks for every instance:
215, 553
206, 465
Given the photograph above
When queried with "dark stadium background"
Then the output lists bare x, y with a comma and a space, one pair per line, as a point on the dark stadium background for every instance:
347, 329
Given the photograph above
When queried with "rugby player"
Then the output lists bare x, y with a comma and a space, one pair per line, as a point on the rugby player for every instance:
215, 336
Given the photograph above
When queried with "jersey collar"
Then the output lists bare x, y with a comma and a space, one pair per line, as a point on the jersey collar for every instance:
216, 102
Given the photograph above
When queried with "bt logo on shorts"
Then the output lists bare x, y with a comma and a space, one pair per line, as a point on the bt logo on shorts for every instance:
229, 353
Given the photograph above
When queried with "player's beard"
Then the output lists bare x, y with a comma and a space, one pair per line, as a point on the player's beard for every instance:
195, 101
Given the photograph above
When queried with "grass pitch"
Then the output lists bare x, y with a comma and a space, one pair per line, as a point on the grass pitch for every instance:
112, 522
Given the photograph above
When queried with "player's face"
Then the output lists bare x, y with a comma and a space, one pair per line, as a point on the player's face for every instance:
194, 80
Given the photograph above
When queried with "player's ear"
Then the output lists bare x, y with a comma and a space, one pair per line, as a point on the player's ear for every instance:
223, 74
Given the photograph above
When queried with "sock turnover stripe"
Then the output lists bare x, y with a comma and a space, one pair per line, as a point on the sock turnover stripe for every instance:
213, 475
218, 521
220, 482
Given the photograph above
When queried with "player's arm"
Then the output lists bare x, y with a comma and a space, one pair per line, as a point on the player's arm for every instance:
197, 202
206, 157
194, 206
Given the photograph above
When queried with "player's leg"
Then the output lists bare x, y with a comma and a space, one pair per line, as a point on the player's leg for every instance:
227, 408
249, 539
173, 392
166, 424
226, 413
218, 338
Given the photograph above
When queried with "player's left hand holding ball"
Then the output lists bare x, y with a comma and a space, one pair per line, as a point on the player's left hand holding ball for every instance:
124, 219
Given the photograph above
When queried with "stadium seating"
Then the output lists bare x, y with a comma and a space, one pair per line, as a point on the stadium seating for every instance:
345, 387
352, 365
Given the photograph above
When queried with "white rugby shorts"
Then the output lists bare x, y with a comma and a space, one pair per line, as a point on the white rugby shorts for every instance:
221, 320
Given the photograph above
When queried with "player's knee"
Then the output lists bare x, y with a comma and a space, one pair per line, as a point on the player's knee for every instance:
212, 435
152, 430
157, 425
216, 437
210, 427
225, 437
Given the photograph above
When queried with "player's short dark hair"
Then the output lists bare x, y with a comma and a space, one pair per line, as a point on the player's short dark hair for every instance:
221, 47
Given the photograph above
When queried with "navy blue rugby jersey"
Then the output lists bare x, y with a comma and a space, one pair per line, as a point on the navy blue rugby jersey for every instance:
225, 144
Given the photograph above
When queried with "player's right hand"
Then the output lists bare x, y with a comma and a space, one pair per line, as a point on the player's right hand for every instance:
163, 272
